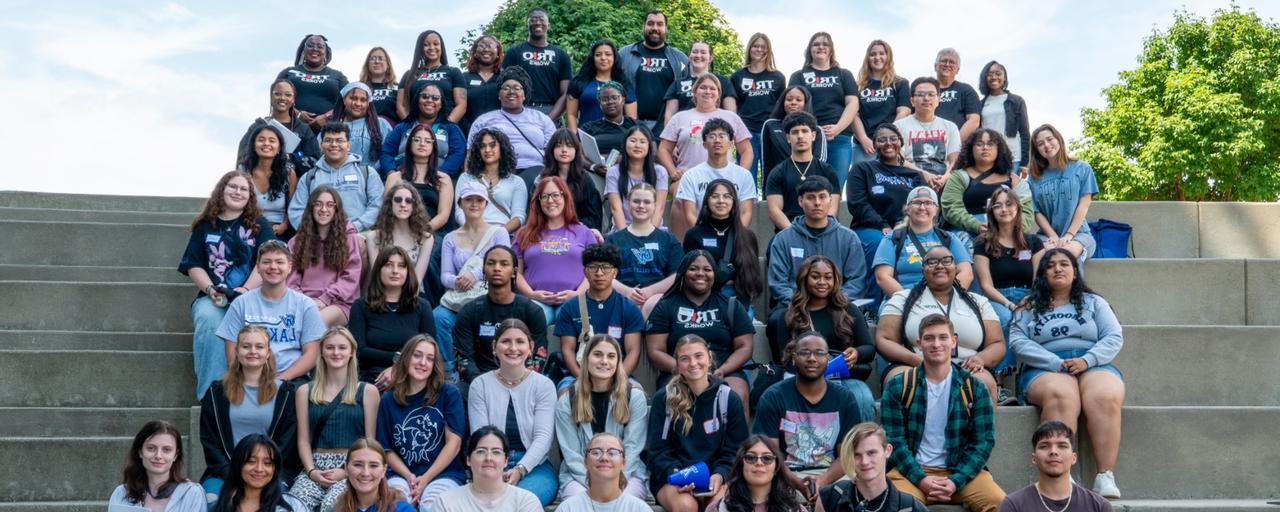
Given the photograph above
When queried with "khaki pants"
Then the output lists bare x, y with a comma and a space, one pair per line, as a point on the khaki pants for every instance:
981, 494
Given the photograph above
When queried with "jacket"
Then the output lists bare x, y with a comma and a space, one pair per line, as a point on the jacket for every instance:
679, 449
573, 437
792, 245
215, 432
970, 431
1016, 123
357, 183
453, 152
839, 497
954, 212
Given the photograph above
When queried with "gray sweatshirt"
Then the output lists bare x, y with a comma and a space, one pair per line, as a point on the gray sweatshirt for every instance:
358, 184
1036, 338
791, 246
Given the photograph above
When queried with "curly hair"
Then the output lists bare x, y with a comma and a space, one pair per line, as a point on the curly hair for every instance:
1004, 157
216, 204
1041, 294
385, 225
506, 155
798, 319
782, 498
310, 247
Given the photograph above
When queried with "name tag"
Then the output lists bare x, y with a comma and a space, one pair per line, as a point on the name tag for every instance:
212, 238
475, 83
878, 189
709, 242
1024, 255
788, 426
615, 331
350, 178
711, 426
653, 246
488, 330
797, 252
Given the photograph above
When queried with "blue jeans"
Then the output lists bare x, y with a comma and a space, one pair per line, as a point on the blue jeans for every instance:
728, 291
549, 312
445, 319
541, 480
870, 238
862, 392
858, 154
755, 163
840, 156
208, 350
1014, 294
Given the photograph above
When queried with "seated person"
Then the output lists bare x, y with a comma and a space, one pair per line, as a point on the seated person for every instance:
564, 159
717, 136
1053, 454
817, 232
1004, 259
1066, 340
598, 92
247, 488
756, 474
528, 129
367, 130
357, 182
693, 418
425, 111
637, 164
650, 256
607, 312
282, 111
732, 245
402, 222
390, 313
864, 453
487, 457
940, 459
897, 264
1062, 188
611, 129
774, 146
876, 192
477, 324
608, 458
550, 247
366, 469
153, 477
783, 204
326, 257
421, 169
275, 176
985, 166
491, 165
603, 401
521, 402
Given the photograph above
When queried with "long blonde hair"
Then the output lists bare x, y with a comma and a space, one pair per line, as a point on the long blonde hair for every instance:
619, 390
768, 51
888, 77
316, 394
347, 501
679, 396
233, 380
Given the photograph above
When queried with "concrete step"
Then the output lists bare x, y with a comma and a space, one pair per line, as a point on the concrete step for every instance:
96, 378
1201, 365
1197, 505
89, 243
55, 506
113, 274
94, 340
70, 306
19, 199
85, 421
1161, 229
110, 216
1239, 230
1188, 291
90, 467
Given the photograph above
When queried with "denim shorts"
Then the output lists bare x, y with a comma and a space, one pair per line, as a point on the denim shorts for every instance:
1028, 375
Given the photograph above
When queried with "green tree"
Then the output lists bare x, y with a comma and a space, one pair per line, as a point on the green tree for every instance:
1198, 119
575, 24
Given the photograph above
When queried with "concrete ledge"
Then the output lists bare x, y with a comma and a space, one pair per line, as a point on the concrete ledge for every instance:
87, 378
1194, 365
94, 340
91, 468
1262, 289
1239, 230
81, 421
141, 307
168, 274
1171, 291
112, 216
84, 243
1162, 229
19, 199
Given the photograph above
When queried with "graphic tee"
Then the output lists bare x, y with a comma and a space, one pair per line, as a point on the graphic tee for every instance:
653, 77
546, 66
416, 431
828, 88
809, 433
317, 91
928, 144
757, 94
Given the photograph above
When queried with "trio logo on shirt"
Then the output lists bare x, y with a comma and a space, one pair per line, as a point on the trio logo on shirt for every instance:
876, 95
308, 77
686, 87
693, 319
757, 87
539, 58
653, 64
812, 79
948, 96
433, 76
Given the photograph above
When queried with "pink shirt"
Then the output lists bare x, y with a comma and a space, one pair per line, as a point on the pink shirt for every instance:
685, 129
321, 282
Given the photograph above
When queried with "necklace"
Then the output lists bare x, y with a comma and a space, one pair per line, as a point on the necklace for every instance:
720, 232
511, 383
863, 503
805, 172
1046, 505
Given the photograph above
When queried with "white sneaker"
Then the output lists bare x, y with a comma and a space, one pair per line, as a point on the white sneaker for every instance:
1105, 484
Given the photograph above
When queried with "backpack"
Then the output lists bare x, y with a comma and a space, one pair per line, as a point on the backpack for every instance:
909, 391
899, 238
722, 409
912, 298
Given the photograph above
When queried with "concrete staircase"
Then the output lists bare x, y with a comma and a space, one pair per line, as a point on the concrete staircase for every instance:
95, 340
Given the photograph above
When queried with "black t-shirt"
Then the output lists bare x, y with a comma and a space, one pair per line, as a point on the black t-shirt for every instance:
779, 334
878, 105
482, 98
828, 89
646, 260
546, 66
1011, 268
599, 410
512, 428
757, 94
676, 316
957, 101
447, 78
785, 179
476, 328
653, 77
682, 92
808, 433
705, 237
379, 335
609, 135
317, 91
384, 101
876, 193
978, 193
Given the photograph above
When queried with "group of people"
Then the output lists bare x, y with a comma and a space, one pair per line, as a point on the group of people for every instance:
348, 352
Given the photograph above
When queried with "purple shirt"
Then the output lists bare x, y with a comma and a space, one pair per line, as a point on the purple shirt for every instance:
528, 126
452, 257
554, 263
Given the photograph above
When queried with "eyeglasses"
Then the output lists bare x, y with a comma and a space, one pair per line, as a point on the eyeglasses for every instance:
402, 200
716, 136
327, 205
432, 97
511, 88
599, 453
945, 261
332, 142
551, 196
377, 58
888, 140
599, 268
763, 460
816, 354
422, 140
1004, 205
496, 453
922, 204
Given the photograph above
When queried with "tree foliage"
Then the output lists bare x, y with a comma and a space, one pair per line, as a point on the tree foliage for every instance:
576, 24
1198, 119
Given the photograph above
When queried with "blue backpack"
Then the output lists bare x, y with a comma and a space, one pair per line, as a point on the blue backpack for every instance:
1114, 239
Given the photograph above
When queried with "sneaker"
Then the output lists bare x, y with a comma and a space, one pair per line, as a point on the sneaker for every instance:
1105, 484
1005, 397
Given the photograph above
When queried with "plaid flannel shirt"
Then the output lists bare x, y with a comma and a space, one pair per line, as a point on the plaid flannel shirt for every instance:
970, 434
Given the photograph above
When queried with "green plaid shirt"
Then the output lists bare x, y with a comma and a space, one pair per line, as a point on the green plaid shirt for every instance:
970, 434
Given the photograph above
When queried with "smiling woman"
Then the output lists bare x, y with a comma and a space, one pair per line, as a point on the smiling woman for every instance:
153, 476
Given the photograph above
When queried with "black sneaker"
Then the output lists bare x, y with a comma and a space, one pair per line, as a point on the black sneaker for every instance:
1004, 397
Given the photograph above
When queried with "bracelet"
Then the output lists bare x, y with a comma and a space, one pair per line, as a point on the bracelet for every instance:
309, 471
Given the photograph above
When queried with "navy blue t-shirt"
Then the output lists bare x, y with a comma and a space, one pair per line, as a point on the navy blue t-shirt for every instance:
653, 77
828, 88
648, 259
615, 316
227, 251
757, 94
317, 91
416, 432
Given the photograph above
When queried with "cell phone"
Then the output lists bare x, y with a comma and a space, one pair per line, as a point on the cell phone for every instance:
813, 486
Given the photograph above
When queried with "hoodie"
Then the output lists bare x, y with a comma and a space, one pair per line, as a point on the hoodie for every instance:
707, 440
358, 184
792, 245
335, 288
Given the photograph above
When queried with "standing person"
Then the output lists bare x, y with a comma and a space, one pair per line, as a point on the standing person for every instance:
548, 65
941, 422
652, 65
607, 312
650, 256
835, 99
985, 166
783, 181
1005, 112
522, 403
773, 139
816, 232
420, 169
422, 423
607, 484
899, 261
957, 101
366, 130
153, 477
1062, 188
380, 76
491, 164
1067, 339
758, 86
755, 482
256, 479
448, 147
706, 135
318, 86
864, 453
527, 129
388, 314
883, 97
639, 164
487, 456
679, 96
582, 102
603, 402
1053, 453
564, 159
550, 247
367, 488
274, 176
402, 222
283, 111
806, 418
293, 343
933, 141
475, 331
249, 400
220, 261
732, 246
694, 418
484, 62
333, 410
326, 257
877, 196
717, 137
431, 66
357, 182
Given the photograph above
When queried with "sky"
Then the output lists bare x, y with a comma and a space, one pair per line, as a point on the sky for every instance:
139, 97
